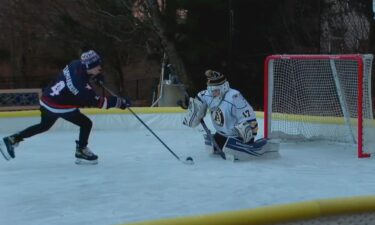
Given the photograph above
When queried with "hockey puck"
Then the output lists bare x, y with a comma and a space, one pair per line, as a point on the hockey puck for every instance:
189, 160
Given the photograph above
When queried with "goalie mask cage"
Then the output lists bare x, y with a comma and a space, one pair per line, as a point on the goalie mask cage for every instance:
320, 97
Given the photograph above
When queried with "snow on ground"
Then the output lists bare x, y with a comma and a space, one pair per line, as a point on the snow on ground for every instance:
138, 179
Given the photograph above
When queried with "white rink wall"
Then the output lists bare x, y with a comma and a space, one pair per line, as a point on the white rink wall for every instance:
114, 120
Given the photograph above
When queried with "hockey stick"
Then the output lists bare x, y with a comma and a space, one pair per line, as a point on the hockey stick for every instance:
188, 160
208, 132
216, 146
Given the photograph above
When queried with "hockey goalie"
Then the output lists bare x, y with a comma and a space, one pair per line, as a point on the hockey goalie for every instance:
233, 119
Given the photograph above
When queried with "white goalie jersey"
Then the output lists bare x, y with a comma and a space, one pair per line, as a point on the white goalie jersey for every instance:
227, 112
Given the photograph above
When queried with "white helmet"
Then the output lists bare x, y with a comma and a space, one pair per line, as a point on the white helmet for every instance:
217, 84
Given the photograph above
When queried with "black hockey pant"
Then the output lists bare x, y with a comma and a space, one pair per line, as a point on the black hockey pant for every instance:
49, 118
220, 140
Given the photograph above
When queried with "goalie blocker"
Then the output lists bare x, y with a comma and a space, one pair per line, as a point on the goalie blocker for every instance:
196, 111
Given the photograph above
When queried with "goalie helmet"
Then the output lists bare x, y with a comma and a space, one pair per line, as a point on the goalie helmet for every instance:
217, 84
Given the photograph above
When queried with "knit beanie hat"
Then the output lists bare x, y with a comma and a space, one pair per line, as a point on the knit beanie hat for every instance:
214, 78
90, 59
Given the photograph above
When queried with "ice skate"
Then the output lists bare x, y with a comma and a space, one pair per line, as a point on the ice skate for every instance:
4, 151
85, 156
7, 150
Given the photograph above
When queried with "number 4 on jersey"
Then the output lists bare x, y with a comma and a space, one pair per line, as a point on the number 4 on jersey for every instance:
56, 89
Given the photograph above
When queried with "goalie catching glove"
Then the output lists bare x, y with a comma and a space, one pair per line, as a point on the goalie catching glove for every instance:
246, 129
196, 111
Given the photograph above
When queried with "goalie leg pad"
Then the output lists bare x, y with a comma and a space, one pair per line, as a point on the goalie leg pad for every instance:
195, 113
262, 148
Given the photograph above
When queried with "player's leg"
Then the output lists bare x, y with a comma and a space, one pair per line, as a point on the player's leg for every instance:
220, 140
46, 122
83, 153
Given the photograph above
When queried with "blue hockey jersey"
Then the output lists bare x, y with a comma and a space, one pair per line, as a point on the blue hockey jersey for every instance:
71, 90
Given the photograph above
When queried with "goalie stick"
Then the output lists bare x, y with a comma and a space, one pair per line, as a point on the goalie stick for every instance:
188, 160
217, 148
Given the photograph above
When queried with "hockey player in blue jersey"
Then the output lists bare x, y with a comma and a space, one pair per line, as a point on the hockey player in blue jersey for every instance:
62, 99
232, 117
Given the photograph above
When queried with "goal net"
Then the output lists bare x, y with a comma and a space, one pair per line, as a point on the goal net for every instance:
320, 97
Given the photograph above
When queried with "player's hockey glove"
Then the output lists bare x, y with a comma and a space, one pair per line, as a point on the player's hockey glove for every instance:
117, 102
97, 79
125, 103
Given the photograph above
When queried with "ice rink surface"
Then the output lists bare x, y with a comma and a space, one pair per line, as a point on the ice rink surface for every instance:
138, 179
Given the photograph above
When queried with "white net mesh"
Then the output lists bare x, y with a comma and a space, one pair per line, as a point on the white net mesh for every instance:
316, 98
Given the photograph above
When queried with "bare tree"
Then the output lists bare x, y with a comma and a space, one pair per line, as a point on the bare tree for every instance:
18, 35
345, 29
153, 10
125, 29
